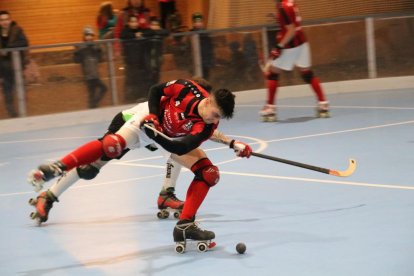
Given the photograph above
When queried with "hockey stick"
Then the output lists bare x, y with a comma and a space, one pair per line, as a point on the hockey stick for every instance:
347, 172
350, 170
158, 132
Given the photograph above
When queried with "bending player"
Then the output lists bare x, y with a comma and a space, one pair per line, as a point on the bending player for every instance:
292, 49
181, 109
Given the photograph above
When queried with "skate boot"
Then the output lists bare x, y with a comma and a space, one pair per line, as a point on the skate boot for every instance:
268, 113
168, 201
322, 110
43, 203
44, 173
188, 230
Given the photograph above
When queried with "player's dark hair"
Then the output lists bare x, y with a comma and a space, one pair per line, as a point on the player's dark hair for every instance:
4, 12
225, 101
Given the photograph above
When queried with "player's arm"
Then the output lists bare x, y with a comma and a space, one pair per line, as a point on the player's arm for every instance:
290, 33
241, 149
154, 98
181, 145
287, 14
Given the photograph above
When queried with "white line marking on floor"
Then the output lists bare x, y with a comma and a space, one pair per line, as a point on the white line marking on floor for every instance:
321, 181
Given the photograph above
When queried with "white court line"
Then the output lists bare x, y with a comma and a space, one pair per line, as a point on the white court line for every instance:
334, 106
362, 184
87, 185
341, 131
48, 139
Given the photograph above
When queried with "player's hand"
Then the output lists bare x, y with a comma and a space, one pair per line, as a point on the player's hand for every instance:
241, 149
275, 52
152, 121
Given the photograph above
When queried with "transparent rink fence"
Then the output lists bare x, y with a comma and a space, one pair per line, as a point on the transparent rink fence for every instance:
52, 81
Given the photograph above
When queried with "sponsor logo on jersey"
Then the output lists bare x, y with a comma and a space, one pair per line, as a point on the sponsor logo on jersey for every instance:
187, 126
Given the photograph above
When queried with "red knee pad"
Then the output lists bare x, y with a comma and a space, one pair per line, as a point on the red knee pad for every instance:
206, 171
113, 145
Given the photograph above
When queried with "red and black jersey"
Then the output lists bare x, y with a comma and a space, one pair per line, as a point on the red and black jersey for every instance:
176, 105
288, 14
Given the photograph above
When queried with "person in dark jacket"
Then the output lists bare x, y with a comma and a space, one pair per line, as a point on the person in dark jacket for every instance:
11, 36
89, 55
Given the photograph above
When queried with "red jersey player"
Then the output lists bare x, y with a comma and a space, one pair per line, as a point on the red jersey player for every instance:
292, 49
181, 109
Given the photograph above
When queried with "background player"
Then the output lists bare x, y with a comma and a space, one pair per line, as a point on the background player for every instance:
292, 49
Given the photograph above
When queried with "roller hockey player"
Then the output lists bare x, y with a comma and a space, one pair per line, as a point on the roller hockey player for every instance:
292, 50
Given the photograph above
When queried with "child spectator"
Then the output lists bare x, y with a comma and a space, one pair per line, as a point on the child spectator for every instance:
89, 55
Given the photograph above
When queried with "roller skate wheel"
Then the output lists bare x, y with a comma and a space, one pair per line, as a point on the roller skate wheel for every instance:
33, 215
163, 214
268, 119
176, 215
180, 248
32, 201
202, 247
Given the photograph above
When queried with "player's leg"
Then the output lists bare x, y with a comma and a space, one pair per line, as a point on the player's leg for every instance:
167, 197
44, 201
304, 64
206, 176
83, 155
268, 112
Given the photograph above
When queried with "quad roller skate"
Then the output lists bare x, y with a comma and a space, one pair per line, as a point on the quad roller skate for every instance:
268, 113
43, 203
168, 201
44, 173
322, 110
189, 230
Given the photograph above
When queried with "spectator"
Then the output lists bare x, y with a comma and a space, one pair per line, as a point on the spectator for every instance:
137, 69
206, 45
167, 7
106, 21
155, 41
12, 36
134, 8
89, 55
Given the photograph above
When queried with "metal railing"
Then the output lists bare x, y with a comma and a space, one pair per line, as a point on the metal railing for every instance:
356, 48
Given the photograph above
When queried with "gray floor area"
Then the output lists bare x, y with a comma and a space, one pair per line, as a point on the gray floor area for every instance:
293, 221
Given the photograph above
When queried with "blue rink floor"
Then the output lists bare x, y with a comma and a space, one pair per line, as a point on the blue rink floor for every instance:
294, 221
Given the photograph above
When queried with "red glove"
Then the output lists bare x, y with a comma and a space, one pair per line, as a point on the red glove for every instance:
152, 121
275, 52
241, 149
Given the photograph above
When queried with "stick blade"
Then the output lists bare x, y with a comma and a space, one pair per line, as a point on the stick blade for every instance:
347, 172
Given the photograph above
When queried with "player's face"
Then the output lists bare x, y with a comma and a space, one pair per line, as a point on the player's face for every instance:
212, 112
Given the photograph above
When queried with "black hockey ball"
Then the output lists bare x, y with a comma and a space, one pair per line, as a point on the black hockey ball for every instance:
241, 248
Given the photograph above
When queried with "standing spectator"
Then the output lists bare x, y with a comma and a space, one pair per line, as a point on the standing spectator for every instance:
106, 21
206, 45
12, 36
167, 7
89, 55
155, 41
134, 8
136, 60
292, 49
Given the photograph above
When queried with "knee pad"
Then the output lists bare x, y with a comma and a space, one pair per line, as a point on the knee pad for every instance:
204, 170
87, 172
113, 145
272, 76
307, 76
